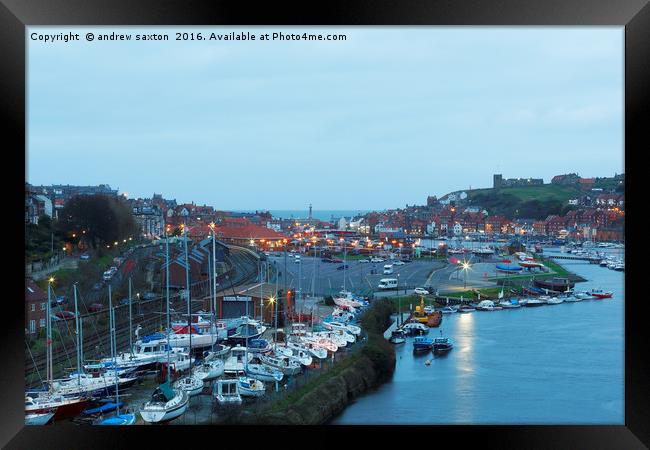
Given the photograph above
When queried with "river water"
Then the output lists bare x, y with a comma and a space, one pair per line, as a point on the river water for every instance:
557, 364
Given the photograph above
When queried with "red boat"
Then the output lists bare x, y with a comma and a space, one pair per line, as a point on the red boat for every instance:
599, 293
65, 407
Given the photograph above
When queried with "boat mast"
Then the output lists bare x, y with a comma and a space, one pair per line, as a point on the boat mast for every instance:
111, 321
50, 375
167, 298
76, 322
187, 288
130, 320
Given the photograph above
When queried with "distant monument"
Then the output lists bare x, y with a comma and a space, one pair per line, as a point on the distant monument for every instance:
310, 212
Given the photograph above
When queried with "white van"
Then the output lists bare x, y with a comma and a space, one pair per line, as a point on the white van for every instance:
387, 283
388, 269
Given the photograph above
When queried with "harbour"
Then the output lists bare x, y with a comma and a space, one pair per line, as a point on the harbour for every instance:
522, 366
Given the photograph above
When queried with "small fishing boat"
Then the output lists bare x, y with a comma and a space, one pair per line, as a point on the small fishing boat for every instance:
263, 372
534, 302
415, 328
466, 309
487, 305
250, 387
226, 392
397, 337
422, 344
38, 419
599, 293
554, 300
584, 296
510, 304
442, 345
448, 310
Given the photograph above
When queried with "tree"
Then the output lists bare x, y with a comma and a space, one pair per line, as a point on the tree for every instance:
99, 219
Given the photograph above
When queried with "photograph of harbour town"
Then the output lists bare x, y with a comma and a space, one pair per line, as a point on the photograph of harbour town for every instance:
324, 226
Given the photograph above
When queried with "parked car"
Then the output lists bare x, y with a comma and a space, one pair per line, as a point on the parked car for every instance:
376, 260
336, 260
421, 291
364, 260
65, 315
60, 299
95, 307
84, 257
344, 266
97, 286
149, 296
399, 263
327, 260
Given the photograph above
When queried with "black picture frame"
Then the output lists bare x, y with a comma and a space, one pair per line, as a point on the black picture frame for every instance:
634, 15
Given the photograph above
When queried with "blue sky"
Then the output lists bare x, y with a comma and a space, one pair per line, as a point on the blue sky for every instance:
381, 120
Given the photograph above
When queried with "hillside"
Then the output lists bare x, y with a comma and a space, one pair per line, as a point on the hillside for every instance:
533, 202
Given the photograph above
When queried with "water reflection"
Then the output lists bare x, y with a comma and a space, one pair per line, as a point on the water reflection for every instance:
465, 365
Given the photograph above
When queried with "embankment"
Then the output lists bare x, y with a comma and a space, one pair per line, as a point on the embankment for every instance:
325, 397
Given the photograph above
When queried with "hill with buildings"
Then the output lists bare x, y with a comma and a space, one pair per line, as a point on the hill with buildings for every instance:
531, 198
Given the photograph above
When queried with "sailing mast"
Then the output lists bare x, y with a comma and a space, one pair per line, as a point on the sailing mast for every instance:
130, 320
187, 288
50, 374
76, 321
111, 321
167, 298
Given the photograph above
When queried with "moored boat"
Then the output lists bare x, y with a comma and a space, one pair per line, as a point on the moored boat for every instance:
38, 418
442, 344
166, 404
422, 344
250, 387
226, 392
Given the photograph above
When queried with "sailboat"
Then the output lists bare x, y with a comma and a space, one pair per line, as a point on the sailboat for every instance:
190, 384
166, 403
45, 402
118, 419
80, 383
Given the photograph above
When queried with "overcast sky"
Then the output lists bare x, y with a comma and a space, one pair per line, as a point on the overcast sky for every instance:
378, 121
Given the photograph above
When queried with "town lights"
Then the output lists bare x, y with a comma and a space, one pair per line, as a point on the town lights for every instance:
51, 280
271, 300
